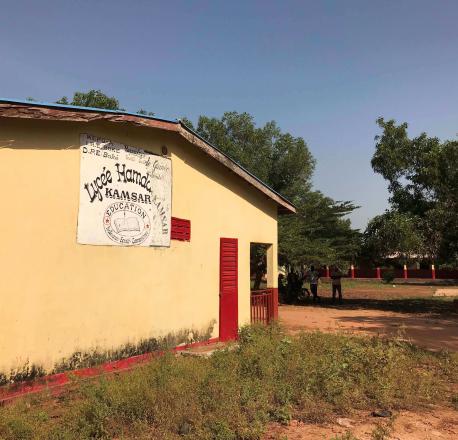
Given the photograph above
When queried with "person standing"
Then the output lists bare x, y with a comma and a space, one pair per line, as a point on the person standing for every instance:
336, 277
313, 276
304, 290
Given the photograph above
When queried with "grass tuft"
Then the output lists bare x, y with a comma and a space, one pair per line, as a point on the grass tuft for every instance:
347, 436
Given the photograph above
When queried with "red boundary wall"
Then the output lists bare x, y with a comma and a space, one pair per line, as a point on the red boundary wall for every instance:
54, 382
377, 273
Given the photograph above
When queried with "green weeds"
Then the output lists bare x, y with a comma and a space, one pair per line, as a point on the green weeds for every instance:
26, 372
347, 436
91, 358
455, 401
83, 359
234, 394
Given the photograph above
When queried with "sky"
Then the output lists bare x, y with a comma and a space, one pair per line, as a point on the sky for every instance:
324, 70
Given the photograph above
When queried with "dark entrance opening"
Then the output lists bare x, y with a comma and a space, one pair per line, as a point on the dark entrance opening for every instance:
264, 297
258, 266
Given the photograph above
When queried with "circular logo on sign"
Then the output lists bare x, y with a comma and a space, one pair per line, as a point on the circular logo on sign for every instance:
126, 223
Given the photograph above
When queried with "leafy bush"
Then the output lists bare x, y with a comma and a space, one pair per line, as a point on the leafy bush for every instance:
235, 393
388, 276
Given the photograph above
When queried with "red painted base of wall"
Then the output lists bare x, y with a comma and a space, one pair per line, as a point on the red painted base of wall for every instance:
56, 381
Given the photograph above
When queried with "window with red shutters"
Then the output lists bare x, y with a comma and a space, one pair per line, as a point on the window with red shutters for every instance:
181, 229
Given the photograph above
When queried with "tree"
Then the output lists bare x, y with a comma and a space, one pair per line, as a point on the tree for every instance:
422, 175
93, 98
393, 234
97, 99
145, 112
282, 161
319, 233
63, 101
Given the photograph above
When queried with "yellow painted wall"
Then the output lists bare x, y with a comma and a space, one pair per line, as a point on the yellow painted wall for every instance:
57, 296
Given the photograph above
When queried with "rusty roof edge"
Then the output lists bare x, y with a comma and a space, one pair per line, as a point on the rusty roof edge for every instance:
86, 109
182, 128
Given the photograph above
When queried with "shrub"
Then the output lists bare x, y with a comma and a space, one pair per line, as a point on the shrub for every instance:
388, 276
455, 401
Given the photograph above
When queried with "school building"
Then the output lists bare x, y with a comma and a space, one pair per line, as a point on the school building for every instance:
117, 228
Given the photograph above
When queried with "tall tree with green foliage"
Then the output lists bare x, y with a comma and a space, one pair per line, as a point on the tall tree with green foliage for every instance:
97, 99
422, 175
92, 98
319, 233
282, 161
393, 234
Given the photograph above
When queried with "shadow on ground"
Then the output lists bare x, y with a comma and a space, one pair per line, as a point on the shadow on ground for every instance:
420, 282
428, 332
435, 306
433, 330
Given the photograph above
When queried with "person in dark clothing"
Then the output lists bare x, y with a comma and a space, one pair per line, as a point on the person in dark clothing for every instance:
313, 276
304, 291
336, 277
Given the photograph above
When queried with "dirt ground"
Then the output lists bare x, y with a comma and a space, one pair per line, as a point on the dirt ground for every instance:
410, 311
438, 424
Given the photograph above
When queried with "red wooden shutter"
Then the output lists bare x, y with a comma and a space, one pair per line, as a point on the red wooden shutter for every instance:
228, 289
181, 229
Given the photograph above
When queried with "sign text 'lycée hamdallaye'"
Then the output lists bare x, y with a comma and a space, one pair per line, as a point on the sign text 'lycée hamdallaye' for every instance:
125, 195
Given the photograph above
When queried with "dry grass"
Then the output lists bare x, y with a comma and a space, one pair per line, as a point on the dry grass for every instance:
235, 393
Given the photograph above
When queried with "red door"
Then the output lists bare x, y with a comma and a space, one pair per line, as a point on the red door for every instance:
228, 289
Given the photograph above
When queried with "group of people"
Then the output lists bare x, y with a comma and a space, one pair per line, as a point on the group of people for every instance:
312, 276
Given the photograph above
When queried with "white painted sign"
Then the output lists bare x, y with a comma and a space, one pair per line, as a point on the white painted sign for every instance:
125, 195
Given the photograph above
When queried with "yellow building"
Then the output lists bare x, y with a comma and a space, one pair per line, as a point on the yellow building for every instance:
86, 265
